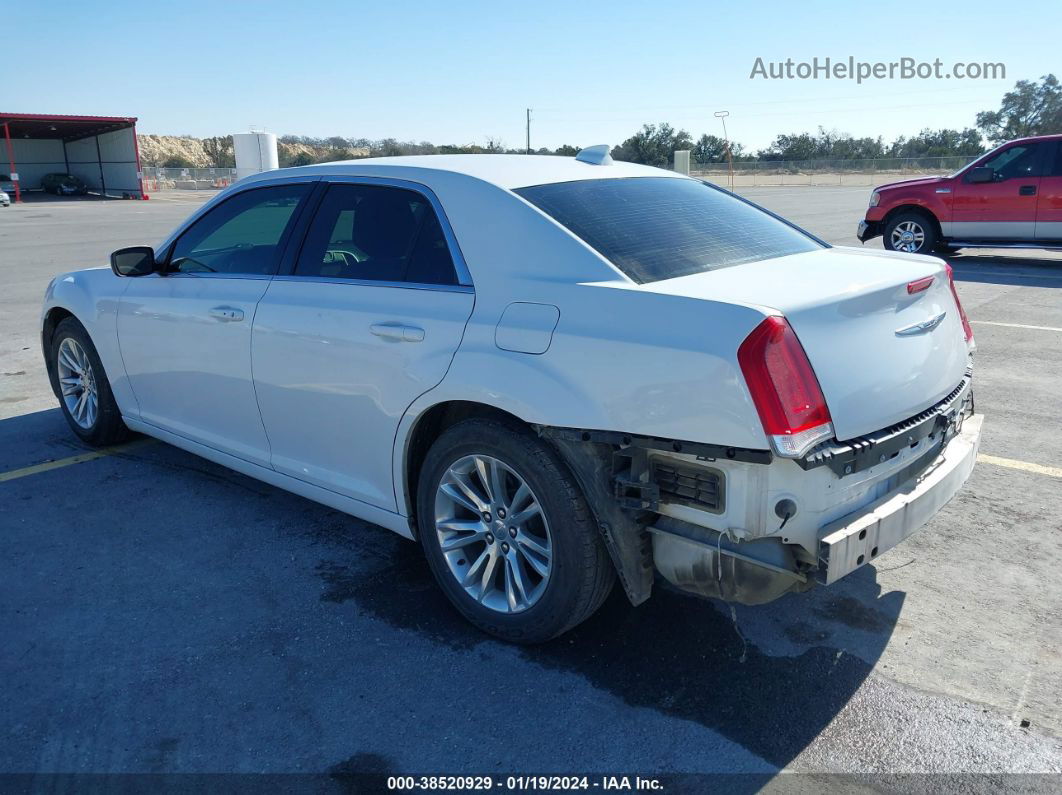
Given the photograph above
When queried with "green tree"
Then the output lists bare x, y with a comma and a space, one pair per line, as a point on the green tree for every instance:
219, 150
302, 159
712, 149
567, 150
653, 145
178, 161
1030, 109
938, 143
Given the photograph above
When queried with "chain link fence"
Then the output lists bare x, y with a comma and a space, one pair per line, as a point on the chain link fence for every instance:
159, 179
828, 172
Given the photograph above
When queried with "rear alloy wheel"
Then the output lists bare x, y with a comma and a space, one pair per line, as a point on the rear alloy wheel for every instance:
492, 533
912, 233
82, 387
508, 534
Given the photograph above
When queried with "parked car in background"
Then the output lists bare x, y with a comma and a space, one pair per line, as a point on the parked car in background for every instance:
1010, 197
64, 185
550, 371
5, 200
6, 185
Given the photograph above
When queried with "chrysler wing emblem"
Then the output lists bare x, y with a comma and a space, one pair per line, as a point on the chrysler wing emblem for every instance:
921, 328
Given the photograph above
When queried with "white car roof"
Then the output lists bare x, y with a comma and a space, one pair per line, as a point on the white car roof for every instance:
505, 171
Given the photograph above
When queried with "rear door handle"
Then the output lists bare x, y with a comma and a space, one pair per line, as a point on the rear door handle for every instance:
398, 332
227, 314
1027, 190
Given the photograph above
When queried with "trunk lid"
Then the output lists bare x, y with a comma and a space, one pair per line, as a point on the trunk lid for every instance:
880, 354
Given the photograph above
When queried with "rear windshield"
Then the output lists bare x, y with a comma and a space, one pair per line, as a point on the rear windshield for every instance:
654, 228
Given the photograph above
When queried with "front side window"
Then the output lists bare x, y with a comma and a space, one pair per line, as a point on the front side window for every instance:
1017, 161
241, 235
376, 233
654, 228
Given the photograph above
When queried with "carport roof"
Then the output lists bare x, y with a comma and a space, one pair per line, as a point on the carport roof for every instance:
67, 128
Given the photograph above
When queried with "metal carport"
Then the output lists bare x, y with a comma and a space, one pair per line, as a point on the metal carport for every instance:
100, 150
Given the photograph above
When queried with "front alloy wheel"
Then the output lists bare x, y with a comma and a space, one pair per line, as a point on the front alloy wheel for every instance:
908, 236
493, 534
77, 383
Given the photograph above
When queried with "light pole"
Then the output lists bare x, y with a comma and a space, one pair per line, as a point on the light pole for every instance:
528, 150
721, 115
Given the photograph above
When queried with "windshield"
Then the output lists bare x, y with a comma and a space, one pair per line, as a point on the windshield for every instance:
655, 228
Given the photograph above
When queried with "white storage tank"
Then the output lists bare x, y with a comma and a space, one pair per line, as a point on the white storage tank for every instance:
255, 152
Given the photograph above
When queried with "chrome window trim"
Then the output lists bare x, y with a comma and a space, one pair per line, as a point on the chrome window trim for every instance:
208, 275
445, 288
464, 277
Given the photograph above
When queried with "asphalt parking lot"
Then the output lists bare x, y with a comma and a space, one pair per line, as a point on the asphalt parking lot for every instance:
159, 613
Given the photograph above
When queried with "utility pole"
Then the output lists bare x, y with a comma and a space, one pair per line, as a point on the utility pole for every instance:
528, 151
721, 115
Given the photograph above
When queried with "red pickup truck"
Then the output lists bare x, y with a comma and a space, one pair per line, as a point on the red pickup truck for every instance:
1010, 197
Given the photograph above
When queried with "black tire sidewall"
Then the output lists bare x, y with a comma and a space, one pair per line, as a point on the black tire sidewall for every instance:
524, 453
929, 241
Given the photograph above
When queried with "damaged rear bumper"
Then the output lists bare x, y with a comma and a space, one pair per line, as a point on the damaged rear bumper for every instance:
852, 541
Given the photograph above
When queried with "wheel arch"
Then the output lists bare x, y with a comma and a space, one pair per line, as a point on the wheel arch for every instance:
922, 210
428, 425
52, 318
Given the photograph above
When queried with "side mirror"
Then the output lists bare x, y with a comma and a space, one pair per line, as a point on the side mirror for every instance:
982, 174
133, 261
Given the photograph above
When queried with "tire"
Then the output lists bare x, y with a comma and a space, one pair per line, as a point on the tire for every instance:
911, 232
70, 354
578, 572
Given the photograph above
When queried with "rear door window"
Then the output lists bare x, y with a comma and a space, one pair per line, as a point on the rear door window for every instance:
655, 228
376, 233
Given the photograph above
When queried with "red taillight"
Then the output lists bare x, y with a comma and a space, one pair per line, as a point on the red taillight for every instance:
966, 330
784, 387
919, 285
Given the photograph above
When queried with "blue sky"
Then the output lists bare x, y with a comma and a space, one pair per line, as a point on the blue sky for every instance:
461, 72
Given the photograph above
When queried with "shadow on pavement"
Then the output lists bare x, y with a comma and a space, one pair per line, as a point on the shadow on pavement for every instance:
676, 654
1023, 271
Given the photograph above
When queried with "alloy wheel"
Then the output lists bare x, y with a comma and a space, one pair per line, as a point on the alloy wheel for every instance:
907, 236
493, 534
77, 383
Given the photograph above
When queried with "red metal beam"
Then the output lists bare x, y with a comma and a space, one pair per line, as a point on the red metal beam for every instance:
11, 162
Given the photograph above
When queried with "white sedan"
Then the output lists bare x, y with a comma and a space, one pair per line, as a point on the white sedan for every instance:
549, 371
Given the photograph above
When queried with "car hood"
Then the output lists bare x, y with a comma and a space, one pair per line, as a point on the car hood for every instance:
910, 183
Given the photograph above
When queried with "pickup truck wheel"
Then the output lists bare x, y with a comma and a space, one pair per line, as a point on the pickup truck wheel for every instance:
508, 533
81, 384
910, 232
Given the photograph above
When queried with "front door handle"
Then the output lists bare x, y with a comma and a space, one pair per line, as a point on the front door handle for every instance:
1027, 190
398, 332
227, 314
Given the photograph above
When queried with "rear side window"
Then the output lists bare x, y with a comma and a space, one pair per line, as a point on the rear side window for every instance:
241, 235
655, 228
376, 233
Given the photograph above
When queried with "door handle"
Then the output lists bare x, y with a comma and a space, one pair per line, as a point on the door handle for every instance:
227, 314
1027, 190
397, 332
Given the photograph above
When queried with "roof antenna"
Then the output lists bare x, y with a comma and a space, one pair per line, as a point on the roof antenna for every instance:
595, 155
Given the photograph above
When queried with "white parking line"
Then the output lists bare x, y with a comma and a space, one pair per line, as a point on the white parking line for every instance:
1016, 325
1024, 466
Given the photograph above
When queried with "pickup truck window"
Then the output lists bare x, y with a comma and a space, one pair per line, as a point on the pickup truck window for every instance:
655, 228
1017, 161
